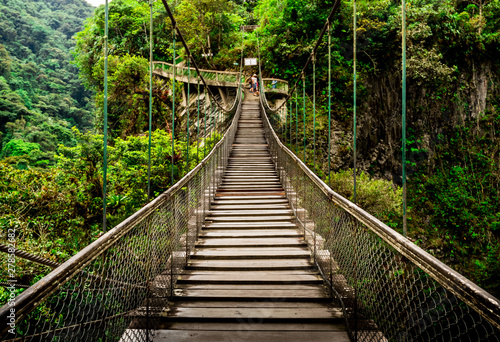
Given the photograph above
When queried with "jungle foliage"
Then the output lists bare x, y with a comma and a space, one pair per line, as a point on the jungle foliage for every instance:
453, 111
41, 95
453, 114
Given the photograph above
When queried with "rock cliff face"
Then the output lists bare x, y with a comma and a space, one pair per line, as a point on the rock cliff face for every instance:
431, 116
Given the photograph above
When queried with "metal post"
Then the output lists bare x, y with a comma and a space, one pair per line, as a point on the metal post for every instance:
404, 115
304, 112
354, 99
150, 93
205, 124
314, 111
173, 115
329, 100
188, 114
296, 123
291, 120
105, 124
198, 125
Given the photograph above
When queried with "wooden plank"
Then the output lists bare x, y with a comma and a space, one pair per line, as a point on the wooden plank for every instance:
241, 335
255, 264
300, 314
249, 304
238, 233
239, 273
258, 327
251, 207
236, 253
250, 225
250, 219
250, 277
256, 242
249, 212
255, 294
264, 198
253, 201
250, 194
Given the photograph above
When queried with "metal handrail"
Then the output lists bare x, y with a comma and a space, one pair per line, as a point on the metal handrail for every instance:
477, 298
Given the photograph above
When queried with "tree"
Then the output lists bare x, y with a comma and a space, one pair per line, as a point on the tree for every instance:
480, 4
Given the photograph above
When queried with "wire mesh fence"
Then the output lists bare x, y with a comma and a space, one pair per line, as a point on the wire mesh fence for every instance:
273, 84
113, 289
228, 77
390, 289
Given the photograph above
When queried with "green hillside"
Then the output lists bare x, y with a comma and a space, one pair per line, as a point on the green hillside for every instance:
41, 95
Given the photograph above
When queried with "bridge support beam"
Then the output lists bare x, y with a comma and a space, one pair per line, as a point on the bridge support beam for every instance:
223, 95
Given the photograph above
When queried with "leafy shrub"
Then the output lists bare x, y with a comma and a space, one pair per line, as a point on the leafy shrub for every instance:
379, 197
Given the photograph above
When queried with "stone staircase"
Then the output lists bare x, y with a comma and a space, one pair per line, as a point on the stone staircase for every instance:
251, 277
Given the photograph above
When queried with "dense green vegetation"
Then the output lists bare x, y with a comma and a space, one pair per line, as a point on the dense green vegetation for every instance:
41, 95
453, 114
53, 171
51, 188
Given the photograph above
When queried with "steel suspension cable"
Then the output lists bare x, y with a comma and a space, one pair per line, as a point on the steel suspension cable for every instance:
105, 124
173, 114
318, 42
181, 39
150, 93
403, 24
354, 98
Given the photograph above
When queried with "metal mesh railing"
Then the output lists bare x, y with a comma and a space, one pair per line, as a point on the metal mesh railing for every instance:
275, 85
223, 77
391, 290
115, 287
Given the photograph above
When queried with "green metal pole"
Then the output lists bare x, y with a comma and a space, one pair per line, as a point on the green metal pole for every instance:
304, 112
296, 123
314, 111
173, 116
150, 93
291, 119
205, 122
329, 100
188, 114
198, 126
404, 114
105, 127
285, 126
354, 99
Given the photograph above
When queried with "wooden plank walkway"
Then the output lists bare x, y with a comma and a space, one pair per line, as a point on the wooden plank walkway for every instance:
251, 277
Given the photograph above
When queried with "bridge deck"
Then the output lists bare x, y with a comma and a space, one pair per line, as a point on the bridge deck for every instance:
251, 278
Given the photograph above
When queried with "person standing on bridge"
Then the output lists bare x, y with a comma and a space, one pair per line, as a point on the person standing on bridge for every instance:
250, 83
255, 85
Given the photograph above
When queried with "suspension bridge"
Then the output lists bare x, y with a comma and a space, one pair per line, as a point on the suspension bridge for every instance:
250, 245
